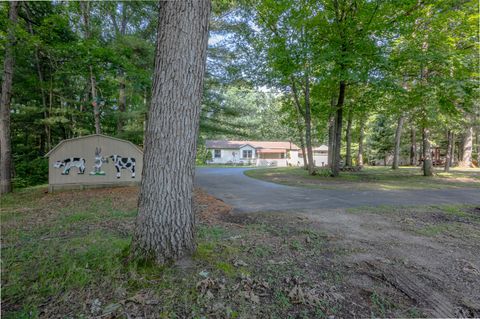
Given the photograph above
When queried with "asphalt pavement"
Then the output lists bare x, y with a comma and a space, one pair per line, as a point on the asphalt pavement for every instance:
247, 194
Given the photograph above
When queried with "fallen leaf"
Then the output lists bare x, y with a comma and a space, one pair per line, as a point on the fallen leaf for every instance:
240, 263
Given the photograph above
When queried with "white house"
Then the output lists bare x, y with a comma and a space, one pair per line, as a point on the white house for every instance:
262, 153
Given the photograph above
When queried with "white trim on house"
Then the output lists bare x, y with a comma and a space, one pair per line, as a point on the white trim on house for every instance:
261, 153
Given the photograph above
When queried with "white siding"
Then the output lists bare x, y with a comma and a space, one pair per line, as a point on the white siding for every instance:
247, 148
226, 156
320, 160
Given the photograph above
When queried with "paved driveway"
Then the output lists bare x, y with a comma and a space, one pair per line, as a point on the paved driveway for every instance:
249, 195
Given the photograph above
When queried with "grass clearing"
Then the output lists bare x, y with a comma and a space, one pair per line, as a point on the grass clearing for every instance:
63, 255
371, 177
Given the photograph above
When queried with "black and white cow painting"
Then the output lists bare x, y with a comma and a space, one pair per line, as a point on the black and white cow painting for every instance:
68, 163
123, 163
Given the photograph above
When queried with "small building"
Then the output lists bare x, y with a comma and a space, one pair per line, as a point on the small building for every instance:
94, 161
261, 153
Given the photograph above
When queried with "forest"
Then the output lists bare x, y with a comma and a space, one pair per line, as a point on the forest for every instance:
379, 82
163, 231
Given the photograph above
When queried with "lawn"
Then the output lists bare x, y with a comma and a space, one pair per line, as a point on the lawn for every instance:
371, 177
63, 255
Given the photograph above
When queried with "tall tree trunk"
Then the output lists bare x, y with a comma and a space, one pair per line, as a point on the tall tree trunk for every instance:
452, 157
308, 127
96, 106
302, 112
348, 138
122, 97
47, 134
301, 135
413, 147
338, 129
122, 103
398, 138
478, 144
331, 138
85, 5
427, 153
5, 100
164, 228
448, 158
360, 144
467, 148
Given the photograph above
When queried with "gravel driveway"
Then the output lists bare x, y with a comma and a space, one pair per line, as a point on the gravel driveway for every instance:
249, 195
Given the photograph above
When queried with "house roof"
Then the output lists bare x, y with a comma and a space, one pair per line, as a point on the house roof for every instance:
321, 148
255, 144
53, 150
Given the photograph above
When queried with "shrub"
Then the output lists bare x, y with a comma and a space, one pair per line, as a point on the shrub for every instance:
30, 173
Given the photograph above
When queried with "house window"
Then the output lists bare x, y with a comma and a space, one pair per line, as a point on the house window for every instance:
282, 155
247, 154
217, 153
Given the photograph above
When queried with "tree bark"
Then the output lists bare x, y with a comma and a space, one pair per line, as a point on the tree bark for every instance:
96, 106
5, 100
448, 158
47, 134
360, 144
331, 138
467, 148
398, 138
331, 130
348, 138
308, 127
164, 228
122, 97
413, 147
85, 5
338, 129
303, 114
122, 102
301, 135
478, 144
452, 158
427, 153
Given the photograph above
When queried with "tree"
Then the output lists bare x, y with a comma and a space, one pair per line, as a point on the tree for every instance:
288, 47
348, 139
467, 148
448, 157
413, 146
93, 82
165, 224
5, 100
398, 138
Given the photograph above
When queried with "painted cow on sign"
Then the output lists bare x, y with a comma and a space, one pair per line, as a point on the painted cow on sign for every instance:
68, 163
123, 163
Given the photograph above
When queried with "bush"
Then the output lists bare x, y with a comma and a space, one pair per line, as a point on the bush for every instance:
31, 173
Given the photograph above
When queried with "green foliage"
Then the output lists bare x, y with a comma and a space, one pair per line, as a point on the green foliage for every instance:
410, 58
31, 173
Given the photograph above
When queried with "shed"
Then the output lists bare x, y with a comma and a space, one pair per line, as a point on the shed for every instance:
94, 161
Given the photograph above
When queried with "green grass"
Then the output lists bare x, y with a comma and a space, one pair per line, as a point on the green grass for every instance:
61, 252
371, 178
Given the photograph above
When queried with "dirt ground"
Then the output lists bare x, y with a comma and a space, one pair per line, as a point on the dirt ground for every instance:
357, 263
427, 254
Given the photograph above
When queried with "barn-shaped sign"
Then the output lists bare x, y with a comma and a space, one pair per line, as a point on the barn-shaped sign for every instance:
94, 161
